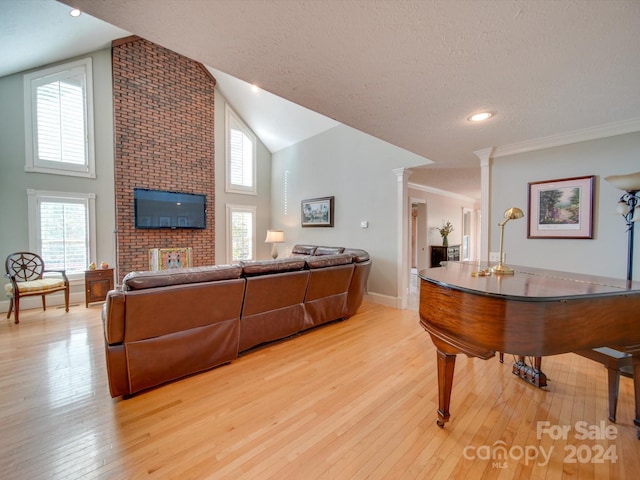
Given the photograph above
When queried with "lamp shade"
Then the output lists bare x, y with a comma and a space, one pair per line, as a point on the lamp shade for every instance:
513, 213
274, 236
628, 183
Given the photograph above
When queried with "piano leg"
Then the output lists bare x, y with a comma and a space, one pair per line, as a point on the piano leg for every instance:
446, 367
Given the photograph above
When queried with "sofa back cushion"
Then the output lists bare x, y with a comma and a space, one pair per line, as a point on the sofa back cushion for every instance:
328, 250
252, 268
274, 292
155, 312
180, 276
303, 250
324, 261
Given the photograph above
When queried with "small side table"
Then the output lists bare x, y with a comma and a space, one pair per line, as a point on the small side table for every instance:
96, 284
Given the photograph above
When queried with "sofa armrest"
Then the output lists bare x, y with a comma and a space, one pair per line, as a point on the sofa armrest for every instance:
358, 255
113, 317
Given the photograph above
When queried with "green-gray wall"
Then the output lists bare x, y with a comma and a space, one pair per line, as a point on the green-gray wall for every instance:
358, 170
14, 180
262, 201
606, 253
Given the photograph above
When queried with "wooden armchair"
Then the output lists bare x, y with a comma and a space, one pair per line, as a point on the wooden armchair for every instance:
26, 271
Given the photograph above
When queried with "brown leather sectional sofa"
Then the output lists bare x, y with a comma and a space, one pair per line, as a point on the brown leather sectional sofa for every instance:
164, 325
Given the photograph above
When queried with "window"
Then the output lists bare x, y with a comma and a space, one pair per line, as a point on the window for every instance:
62, 229
241, 232
241, 156
59, 120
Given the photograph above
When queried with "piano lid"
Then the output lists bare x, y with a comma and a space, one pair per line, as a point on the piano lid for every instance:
527, 284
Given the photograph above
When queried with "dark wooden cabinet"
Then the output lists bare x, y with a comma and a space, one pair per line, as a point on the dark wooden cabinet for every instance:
96, 284
444, 254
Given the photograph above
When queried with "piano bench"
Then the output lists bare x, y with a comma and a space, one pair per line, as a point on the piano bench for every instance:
617, 363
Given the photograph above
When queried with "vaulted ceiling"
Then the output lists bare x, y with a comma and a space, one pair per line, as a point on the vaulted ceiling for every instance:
411, 72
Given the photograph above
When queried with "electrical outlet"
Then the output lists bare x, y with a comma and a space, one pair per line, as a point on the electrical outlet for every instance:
494, 256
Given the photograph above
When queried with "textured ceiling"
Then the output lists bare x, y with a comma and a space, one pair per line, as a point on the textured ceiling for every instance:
38, 32
410, 72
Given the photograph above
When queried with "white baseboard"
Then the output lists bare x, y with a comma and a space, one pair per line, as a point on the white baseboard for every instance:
78, 298
387, 300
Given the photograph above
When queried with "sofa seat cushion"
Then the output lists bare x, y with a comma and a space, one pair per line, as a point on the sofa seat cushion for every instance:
180, 276
33, 287
262, 267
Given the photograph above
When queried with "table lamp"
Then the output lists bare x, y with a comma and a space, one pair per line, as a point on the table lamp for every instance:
274, 237
509, 214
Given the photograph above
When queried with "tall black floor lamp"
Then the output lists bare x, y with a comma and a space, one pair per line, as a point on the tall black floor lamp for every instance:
629, 208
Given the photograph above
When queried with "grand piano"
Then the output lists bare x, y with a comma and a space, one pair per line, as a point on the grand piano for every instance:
533, 312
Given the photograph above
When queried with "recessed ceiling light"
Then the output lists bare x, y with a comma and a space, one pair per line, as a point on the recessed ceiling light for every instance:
75, 12
255, 88
479, 117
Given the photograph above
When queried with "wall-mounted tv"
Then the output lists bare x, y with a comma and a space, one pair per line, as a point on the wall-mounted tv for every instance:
163, 209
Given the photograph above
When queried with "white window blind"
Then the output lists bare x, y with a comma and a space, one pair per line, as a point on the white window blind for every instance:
63, 235
61, 130
59, 120
241, 156
62, 229
241, 236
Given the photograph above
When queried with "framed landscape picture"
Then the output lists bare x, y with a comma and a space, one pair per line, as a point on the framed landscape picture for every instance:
561, 208
318, 212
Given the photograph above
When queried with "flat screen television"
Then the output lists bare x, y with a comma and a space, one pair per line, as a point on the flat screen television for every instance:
163, 209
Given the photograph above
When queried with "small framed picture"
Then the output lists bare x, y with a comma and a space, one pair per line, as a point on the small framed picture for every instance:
561, 208
318, 212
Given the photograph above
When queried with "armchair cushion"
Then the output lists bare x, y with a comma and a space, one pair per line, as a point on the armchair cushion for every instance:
35, 286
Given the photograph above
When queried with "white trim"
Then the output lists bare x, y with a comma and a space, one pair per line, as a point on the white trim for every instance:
403, 237
239, 208
231, 116
593, 133
32, 213
485, 184
437, 191
59, 168
380, 299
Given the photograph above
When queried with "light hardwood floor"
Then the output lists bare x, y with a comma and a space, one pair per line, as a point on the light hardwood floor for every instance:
352, 400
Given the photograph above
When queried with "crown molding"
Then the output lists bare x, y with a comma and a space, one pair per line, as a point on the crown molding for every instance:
593, 133
437, 191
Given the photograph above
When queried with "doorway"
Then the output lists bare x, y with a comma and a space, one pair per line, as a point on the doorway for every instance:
419, 248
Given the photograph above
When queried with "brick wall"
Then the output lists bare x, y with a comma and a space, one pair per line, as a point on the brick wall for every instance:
164, 140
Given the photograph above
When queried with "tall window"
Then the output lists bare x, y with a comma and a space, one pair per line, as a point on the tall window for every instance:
241, 156
59, 120
241, 232
62, 230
